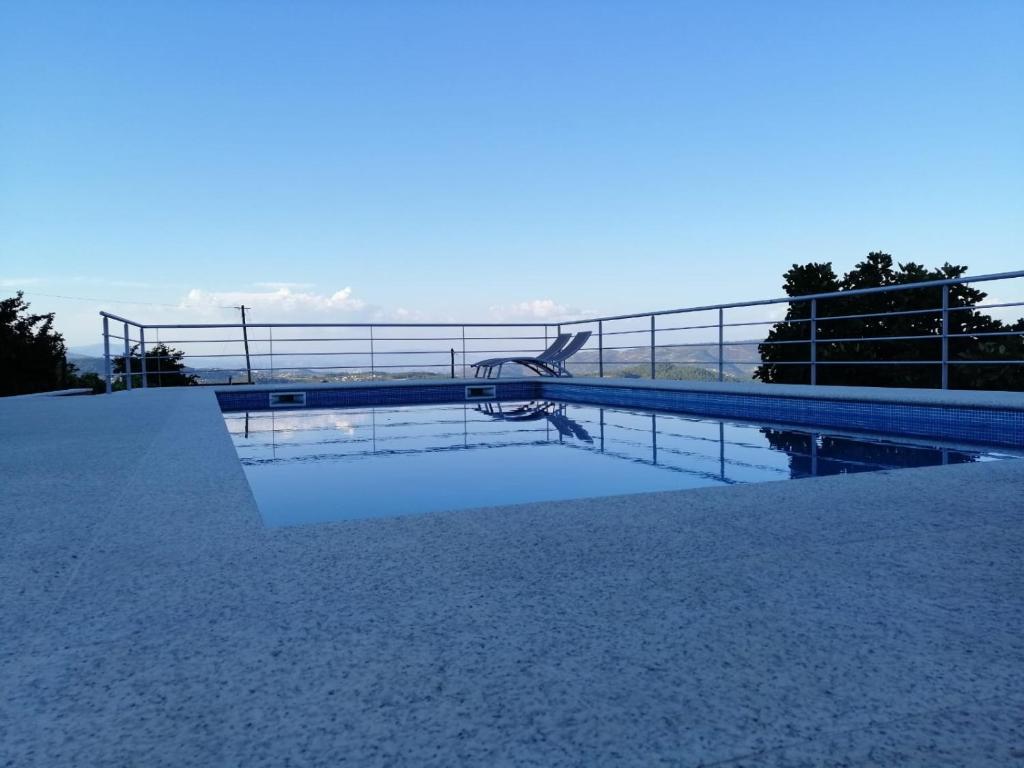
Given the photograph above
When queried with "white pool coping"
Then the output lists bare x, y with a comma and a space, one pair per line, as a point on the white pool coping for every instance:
151, 618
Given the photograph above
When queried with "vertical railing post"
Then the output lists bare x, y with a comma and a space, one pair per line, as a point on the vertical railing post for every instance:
245, 343
652, 348
106, 354
142, 355
814, 342
463, 351
721, 345
270, 338
945, 337
373, 370
600, 348
127, 360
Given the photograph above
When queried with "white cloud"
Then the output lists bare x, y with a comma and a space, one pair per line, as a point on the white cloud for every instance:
280, 302
1006, 314
404, 315
535, 310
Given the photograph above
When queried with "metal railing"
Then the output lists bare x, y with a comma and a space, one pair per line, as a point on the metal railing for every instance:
270, 351
707, 340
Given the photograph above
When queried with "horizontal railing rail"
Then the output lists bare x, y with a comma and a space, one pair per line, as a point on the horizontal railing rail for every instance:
812, 296
636, 345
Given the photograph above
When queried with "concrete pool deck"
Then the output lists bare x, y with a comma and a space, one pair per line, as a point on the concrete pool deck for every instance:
151, 619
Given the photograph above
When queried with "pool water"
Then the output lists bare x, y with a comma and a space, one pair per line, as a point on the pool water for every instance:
311, 466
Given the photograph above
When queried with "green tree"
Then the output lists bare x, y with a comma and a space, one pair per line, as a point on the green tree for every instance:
164, 368
32, 354
910, 321
90, 380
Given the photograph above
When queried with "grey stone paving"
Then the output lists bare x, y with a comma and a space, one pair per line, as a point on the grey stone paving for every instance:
150, 619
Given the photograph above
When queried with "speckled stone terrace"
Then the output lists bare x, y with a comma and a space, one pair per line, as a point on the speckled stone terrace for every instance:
150, 618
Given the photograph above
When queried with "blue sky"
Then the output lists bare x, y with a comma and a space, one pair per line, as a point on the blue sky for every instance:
461, 161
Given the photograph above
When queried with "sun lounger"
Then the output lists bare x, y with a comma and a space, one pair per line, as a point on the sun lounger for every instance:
555, 365
485, 367
551, 362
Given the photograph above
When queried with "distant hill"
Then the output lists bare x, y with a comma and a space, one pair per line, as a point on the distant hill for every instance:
683, 363
736, 359
86, 363
669, 371
92, 350
307, 376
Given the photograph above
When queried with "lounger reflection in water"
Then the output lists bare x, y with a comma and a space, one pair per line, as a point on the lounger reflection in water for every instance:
550, 362
535, 411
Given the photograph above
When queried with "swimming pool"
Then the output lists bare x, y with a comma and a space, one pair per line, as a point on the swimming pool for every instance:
319, 465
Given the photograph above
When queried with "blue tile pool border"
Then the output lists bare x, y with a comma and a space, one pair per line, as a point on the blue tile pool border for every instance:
989, 426
982, 425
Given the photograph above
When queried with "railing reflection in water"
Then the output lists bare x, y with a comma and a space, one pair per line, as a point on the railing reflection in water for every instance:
719, 451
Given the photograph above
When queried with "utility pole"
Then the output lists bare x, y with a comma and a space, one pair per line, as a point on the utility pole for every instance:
245, 341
